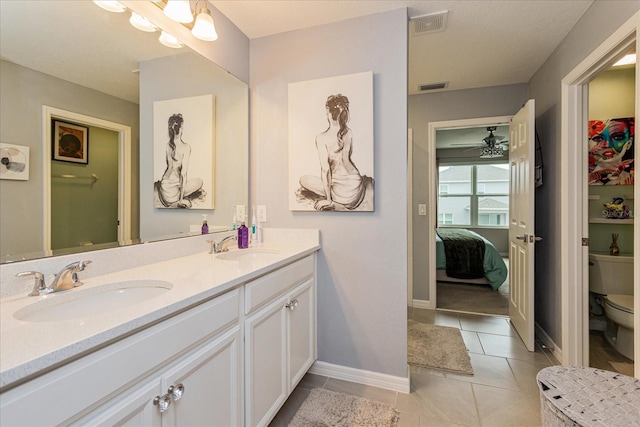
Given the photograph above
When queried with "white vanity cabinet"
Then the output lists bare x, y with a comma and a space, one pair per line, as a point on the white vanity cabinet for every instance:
199, 349
280, 337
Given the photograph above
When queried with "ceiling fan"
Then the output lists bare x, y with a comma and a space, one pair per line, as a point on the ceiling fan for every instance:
491, 146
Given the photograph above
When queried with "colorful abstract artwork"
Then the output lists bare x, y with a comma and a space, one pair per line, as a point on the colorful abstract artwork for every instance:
611, 159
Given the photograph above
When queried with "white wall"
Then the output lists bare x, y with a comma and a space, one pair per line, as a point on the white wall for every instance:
595, 26
362, 267
441, 106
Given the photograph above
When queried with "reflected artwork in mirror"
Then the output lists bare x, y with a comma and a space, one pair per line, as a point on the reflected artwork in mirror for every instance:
99, 72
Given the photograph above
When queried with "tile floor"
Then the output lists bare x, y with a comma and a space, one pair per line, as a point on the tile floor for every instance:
503, 391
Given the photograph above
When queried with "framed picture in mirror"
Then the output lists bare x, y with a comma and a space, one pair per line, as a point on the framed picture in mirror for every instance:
70, 142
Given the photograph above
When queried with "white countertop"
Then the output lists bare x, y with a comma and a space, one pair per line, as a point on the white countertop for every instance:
30, 348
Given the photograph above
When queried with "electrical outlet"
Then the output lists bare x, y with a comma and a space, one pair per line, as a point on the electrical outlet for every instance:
240, 213
261, 212
422, 209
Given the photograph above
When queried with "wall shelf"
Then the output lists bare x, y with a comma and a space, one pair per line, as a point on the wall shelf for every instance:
610, 221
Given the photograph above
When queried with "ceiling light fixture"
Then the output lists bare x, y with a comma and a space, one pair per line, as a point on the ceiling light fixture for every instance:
204, 28
111, 5
142, 23
170, 41
626, 60
179, 11
491, 151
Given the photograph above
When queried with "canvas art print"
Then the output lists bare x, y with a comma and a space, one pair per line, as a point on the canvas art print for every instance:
331, 144
15, 162
611, 159
183, 153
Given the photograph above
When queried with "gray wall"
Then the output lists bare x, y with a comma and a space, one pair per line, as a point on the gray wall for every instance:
362, 267
441, 106
197, 76
545, 88
24, 92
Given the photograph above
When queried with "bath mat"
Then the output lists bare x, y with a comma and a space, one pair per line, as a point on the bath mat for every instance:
325, 408
623, 367
438, 347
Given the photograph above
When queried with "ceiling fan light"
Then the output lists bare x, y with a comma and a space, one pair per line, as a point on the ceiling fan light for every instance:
142, 23
170, 41
179, 11
111, 5
204, 28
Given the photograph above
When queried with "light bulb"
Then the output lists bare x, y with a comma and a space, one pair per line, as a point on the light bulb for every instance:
179, 11
170, 41
204, 28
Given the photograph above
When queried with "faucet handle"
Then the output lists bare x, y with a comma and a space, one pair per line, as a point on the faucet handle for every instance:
212, 246
81, 265
38, 286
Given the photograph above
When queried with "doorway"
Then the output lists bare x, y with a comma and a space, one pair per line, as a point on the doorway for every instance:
431, 208
123, 136
575, 251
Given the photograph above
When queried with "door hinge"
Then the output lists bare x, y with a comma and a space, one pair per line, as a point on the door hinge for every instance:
585, 241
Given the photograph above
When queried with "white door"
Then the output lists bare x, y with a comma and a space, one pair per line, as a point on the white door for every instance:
521, 222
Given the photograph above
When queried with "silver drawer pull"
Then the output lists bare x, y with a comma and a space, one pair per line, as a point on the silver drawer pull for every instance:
162, 403
176, 391
292, 305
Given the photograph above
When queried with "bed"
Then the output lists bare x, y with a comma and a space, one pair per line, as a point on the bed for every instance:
482, 262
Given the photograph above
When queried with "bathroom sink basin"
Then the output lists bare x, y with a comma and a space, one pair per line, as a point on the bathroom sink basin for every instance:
82, 303
249, 253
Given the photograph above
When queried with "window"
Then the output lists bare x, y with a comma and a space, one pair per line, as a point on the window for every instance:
474, 195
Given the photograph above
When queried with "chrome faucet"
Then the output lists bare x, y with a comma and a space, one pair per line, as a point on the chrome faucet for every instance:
221, 246
67, 278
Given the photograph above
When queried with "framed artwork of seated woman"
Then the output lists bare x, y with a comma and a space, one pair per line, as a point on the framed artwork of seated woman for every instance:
331, 144
183, 146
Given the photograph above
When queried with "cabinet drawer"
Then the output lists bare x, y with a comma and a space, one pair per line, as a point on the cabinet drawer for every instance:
261, 290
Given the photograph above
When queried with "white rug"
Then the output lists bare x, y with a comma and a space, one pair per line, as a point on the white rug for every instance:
437, 347
325, 408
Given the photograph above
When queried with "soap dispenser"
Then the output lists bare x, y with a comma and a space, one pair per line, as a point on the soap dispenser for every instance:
243, 236
205, 226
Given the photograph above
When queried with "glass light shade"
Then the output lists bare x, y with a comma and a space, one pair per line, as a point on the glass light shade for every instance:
179, 11
142, 23
111, 5
170, 41
204, 28
491, 151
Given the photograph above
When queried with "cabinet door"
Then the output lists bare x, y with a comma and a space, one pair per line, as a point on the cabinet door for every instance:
301, 332
265, 366
212, 387
134, 409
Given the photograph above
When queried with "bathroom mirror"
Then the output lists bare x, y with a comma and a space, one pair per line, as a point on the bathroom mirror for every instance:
74, 57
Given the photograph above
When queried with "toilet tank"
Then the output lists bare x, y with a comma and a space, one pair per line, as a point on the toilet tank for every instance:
611, 274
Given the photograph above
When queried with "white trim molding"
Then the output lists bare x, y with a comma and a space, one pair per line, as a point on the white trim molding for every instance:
361, 376
542, 335
573, 207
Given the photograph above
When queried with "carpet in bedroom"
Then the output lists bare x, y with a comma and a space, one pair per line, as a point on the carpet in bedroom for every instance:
473, 298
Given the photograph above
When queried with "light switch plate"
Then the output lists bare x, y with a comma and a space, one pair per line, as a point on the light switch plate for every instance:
241, 213
422, 209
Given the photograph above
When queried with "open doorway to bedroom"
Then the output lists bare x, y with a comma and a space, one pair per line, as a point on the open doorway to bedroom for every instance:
472, 235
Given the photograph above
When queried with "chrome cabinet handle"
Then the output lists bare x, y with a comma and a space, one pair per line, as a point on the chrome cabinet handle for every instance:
162, 402
176, 391
292, 305
523, 237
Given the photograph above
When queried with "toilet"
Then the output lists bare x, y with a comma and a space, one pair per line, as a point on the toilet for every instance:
612, 277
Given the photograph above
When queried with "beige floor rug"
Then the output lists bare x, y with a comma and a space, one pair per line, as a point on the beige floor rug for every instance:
437, 347
325, 408
623, 367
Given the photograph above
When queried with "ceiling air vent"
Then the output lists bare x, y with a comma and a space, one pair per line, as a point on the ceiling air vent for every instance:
432, 86
430, 23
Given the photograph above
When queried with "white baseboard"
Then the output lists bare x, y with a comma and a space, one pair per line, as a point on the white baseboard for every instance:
546, 339
424, 304
360, 376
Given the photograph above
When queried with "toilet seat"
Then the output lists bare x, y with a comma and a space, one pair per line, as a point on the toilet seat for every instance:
621, 302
